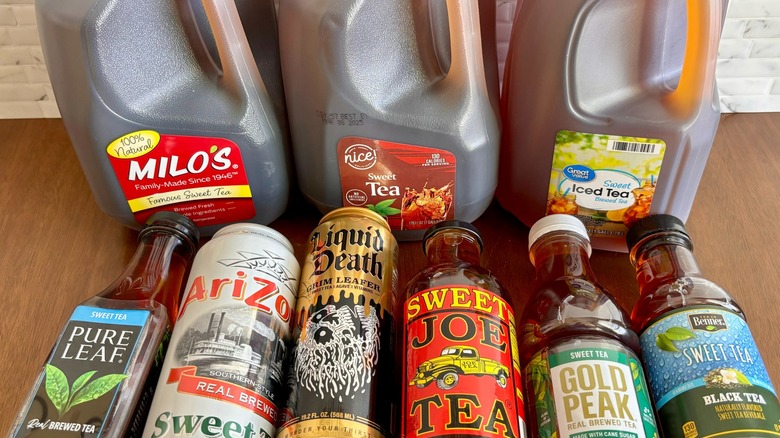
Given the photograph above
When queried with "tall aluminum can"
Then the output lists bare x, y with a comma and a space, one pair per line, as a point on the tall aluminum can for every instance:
340, 378
224, 371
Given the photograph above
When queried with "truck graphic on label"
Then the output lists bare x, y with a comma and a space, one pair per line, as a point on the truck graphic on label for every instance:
456, 361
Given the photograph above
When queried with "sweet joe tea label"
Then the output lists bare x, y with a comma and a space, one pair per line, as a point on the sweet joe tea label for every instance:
84, 373
461, 371
707, 375
339, 379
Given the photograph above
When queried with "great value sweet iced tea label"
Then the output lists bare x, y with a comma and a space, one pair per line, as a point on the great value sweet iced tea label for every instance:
594, 392
607, 181
200, 177
85, 371
461, 370
412, 186
707, 376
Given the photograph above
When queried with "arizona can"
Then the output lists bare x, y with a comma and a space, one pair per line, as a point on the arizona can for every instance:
223, 374
342, 358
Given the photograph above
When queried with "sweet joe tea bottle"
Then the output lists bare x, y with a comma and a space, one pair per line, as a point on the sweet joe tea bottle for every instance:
582, 372
459, 356
99, 379
705, 370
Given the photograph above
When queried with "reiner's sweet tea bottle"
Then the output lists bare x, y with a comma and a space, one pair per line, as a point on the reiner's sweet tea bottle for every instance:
582, 372
705, 371
460, 362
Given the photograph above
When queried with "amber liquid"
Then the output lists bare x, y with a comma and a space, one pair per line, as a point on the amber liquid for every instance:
151, 282
667, 264
568, 306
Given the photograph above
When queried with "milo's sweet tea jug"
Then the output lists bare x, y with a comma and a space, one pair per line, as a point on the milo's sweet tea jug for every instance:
391, 107
156, 123
613, 116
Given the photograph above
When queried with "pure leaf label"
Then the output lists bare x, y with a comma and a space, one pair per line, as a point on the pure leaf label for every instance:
86, 370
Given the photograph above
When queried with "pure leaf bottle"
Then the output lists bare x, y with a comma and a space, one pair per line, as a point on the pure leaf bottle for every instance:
705, 371
460, 362
580, 358
100, 377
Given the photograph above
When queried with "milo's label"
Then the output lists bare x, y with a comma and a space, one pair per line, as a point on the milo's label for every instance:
224, 371
590, 389
607, 181
203, 178
461, 365
85, 373
412, 186
707, 376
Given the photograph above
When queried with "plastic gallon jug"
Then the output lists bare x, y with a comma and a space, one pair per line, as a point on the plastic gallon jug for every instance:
155, 124
609, 110
390, 107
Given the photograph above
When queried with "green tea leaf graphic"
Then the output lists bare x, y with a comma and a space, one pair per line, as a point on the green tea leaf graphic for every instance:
384, 204
81, 381
213, 148
664, 343
679, 334
389, 211
710, 327
57, 388
97, 388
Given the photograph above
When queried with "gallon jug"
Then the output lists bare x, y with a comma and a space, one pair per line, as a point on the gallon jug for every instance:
154, 124
609, 110
390, 107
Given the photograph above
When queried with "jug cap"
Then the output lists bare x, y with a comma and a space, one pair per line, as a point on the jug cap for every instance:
557, 222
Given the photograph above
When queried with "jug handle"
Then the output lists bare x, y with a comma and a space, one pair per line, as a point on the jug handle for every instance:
465, 59
701, 46
238, 67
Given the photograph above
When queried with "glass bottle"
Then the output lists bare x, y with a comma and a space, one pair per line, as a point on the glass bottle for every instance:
99, 379
459, 356
580, 357
704, 368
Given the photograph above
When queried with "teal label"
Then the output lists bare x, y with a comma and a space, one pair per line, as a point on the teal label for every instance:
84, 373
590, 393
707, 376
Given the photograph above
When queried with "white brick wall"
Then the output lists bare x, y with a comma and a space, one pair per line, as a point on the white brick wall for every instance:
748, 65
24, 84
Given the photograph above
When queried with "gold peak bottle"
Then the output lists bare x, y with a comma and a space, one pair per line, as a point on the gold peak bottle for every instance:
460, 362
582, 373
704, 368
100, 377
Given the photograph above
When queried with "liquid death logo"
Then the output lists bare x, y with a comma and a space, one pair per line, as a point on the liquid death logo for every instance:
323, 258
339, 353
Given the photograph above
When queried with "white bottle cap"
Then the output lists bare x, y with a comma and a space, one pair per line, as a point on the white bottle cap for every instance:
557, 222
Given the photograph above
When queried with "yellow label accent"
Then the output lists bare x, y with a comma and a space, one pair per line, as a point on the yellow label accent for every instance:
194, 194
330, 427
133, 145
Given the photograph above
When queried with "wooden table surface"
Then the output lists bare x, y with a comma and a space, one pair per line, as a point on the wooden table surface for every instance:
59, 249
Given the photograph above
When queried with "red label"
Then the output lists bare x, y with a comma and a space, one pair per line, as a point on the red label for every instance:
462, 371
189, 383
200, 177
412, 186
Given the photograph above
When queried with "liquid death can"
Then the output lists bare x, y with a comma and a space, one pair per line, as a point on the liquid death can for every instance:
223, 374
340, 376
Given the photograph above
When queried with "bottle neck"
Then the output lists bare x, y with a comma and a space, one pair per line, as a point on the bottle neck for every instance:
663, 260
452, 246
559, 255
155, 272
